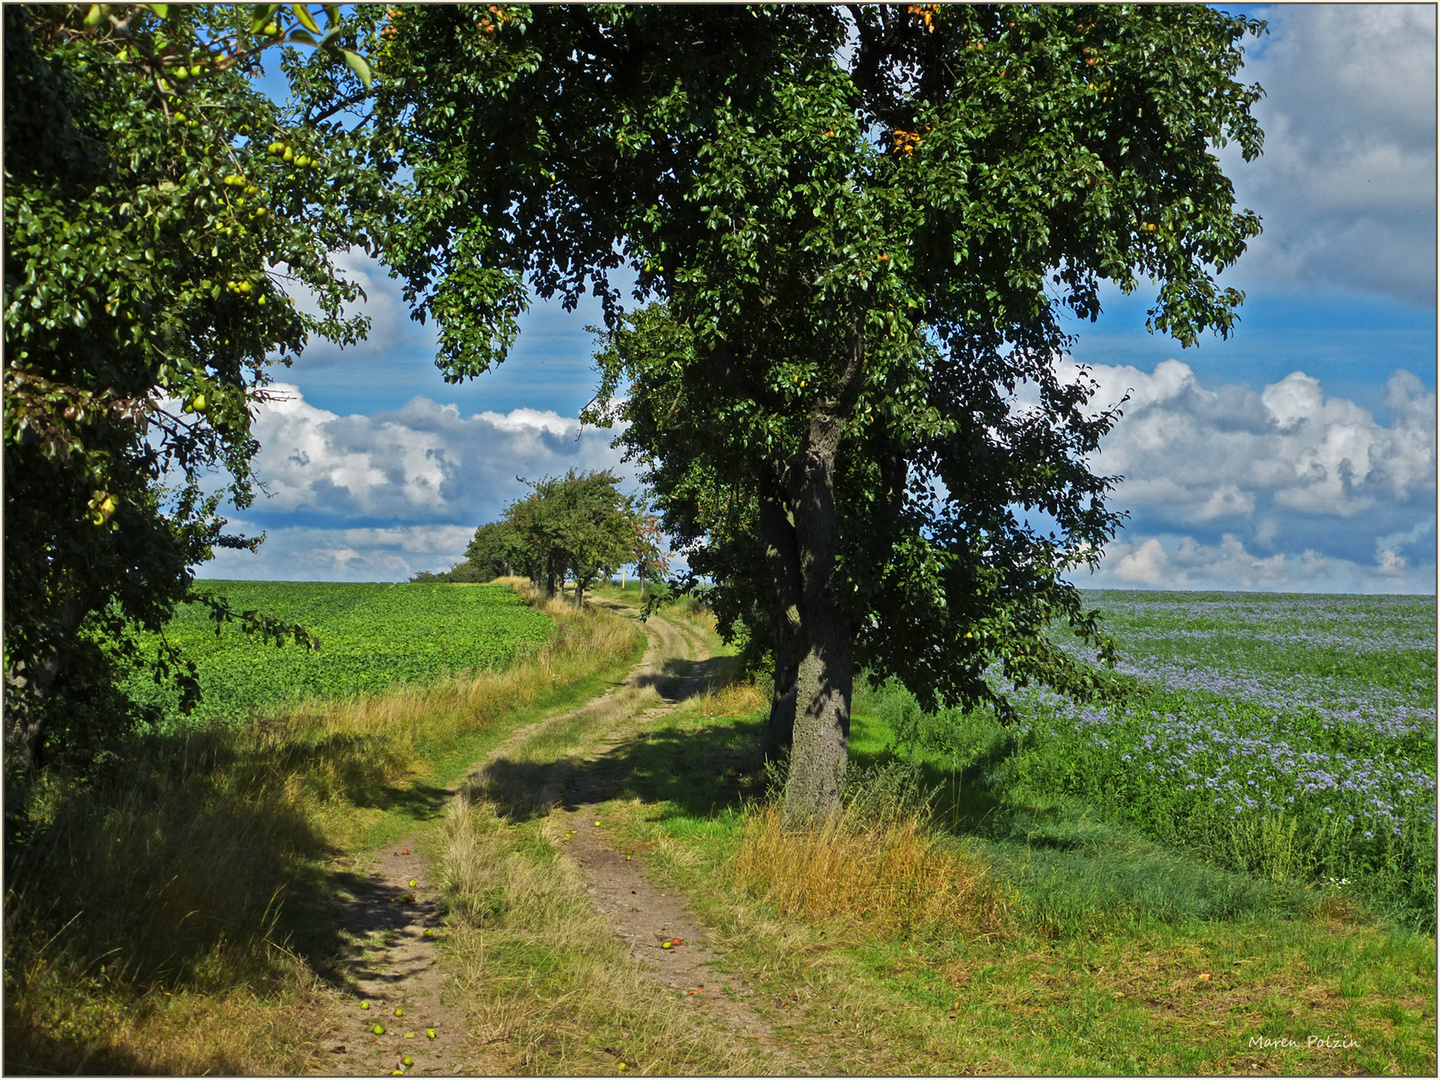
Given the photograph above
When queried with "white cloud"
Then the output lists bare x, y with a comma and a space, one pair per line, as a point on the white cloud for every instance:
1190, 455
533, 420
300, 553
1181, 562
1144, 565
421, 465
1282, 488
1346, 185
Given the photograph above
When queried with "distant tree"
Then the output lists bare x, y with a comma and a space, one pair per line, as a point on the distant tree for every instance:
159, 210
537, 528
651, 554
498, 549
459, 573
579, 523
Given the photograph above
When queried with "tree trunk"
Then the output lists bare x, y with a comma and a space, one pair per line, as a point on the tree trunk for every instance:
780, 732
825, 673
782, 558
824, 680
28, 687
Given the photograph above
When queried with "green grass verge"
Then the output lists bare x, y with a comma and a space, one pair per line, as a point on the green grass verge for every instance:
1122, 956
444, 762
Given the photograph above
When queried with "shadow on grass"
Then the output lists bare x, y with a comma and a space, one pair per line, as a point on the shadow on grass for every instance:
29, 1053
192, 862
678, 680
699, 772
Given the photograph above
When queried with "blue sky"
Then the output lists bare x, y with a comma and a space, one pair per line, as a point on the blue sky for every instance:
1299, 455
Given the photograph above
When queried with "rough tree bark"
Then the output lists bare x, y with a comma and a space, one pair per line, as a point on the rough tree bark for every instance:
782, 558
825, 674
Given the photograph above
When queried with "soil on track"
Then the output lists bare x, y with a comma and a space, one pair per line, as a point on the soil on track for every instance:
394, 965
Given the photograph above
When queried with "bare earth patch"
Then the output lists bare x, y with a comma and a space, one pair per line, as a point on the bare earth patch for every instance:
647, 919
395, 966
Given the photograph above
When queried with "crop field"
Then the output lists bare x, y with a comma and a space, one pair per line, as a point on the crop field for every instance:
371, 636
1291, 737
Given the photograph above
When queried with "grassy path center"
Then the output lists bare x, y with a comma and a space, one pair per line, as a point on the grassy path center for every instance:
554, 769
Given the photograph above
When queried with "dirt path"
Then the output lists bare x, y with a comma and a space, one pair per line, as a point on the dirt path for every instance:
394, 963
642, 916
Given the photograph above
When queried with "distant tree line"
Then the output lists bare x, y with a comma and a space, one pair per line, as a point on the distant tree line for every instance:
578, 527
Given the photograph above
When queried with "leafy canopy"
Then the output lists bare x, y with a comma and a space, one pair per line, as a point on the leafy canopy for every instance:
868, 225
161, 216
870, 251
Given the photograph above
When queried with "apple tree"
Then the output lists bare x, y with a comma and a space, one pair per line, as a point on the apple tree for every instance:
868, 225
162, 215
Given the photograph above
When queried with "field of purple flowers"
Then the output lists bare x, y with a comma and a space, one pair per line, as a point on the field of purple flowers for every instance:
1288, 736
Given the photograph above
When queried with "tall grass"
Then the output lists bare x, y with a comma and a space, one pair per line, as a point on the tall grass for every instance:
198, 868
880, 876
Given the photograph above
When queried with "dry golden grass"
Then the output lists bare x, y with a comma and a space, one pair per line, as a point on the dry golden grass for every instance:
877, 876
733, 699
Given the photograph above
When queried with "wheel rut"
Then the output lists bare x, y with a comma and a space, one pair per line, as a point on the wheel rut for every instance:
395, 964
661, 932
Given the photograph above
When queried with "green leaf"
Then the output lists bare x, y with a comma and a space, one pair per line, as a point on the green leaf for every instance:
163, 10
302, 12
359, 66
302, 36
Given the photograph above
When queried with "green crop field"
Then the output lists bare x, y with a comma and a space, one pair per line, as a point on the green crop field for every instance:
1289, 737
372, 636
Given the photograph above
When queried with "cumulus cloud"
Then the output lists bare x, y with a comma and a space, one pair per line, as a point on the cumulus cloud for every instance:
1195, 455
422, 462
1182, 562
1286, 487
302, 553
380, 300
1346, 186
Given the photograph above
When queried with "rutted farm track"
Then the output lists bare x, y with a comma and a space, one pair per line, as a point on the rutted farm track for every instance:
392, 918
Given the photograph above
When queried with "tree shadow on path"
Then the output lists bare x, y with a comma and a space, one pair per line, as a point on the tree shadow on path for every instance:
701, 772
